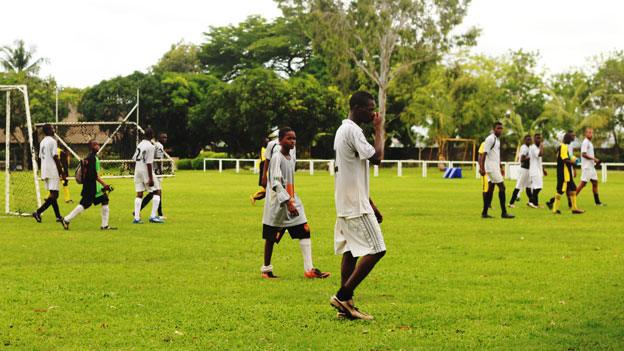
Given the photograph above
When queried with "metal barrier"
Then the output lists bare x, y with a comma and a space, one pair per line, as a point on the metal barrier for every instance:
399, 165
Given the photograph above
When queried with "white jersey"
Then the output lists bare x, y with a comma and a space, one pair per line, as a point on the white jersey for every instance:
352, 176
492, 151
536, 169
159, 151
143, 156
588, 148
282, 174
524, 151
47, 150
273, 147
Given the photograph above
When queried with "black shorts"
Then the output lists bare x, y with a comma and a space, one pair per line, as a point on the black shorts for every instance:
564, 187
87, 201
275, 234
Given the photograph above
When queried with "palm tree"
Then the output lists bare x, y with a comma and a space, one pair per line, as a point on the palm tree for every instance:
18, 58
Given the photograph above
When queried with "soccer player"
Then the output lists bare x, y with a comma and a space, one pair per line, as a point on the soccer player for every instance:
524, 179
51, 173
357, 234
565, 180
485, 183
93, 189
159, 156
283, 209
145, 178
588, 166
64, 157
536, 169
491, 165
261, 193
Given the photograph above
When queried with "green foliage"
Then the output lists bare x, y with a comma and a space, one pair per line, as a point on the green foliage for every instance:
181, 58
19, 59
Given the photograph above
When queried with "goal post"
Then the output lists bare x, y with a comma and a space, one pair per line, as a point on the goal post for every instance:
21, 186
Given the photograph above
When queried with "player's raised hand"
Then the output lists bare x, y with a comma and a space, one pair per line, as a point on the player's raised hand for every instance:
377, 121
292, 209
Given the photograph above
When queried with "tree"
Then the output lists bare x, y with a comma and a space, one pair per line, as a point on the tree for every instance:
382, 38
610, 100
181, 58
18, 58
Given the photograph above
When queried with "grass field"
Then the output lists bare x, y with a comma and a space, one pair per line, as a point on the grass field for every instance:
450, 280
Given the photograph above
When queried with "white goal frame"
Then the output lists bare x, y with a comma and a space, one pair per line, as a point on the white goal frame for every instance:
7, 89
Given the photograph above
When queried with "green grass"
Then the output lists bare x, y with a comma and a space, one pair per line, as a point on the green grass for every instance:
449, 281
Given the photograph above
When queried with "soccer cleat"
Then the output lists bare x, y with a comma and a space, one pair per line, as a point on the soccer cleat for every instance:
59, 220
348, 308
485, 216
37, 216
342, 315
550, 203
269, 275
108, 228
137, 221
578, 211
531, 205
65, 224
511, 206
162, 217
601, 204
507, 215
316, 273
557, 212
156, 220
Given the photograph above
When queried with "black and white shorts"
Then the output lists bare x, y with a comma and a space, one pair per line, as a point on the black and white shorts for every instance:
275, 234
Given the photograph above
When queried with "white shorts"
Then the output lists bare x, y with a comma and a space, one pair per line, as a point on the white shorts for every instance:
141, 184
524, 179
496, 177
360, 235
588, 175
52, 184
537, 182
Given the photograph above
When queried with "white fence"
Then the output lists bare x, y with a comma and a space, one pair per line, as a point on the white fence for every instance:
424, 165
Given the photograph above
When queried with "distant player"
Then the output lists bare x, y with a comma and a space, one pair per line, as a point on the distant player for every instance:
565, 180
64, 157
491, 165
145, 179
51, 173
357, 234
283, 209
524, 178
261, 193
93, 189
485, 183
588, 166
536, 169
159, 157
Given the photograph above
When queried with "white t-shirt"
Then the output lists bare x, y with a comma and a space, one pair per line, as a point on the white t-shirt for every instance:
524, 151
47, 150
352, 191
536, 169
143, 156
159, 151
588, 148
492, 151
275, 209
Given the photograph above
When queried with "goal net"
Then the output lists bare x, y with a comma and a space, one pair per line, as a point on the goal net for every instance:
17, 159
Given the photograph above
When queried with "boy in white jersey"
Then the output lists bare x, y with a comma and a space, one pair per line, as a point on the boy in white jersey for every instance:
159, 157
588, 166
357, 234
524, 179
51, 173
536, 169
491, 165
283, 209
145, 179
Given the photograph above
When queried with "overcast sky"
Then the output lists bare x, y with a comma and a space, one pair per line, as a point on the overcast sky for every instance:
91, 40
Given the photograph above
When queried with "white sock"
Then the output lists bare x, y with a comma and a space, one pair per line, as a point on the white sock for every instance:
155, 203
76, 211
306, 251
105, 212
137, 208
266, 269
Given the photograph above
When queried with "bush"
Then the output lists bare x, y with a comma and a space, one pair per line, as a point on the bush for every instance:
212, 154
184, 163
197, 163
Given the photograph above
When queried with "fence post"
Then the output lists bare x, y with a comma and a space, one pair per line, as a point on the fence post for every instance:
424, 169
256, 166
331, 167
376, 171
220, 166
204, 165
450, 164
399, 169
237, 166
507, 174
311, 167
604, 172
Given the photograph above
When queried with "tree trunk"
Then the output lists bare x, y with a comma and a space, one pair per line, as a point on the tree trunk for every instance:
382, 102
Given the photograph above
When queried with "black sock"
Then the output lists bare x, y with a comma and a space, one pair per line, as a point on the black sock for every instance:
569, 202
552, 200
45, 206
529, 194
488, 199
55, 206
485, 203
596, 198
503, 202
160, 207
536, 196
344, 294
514, 196
146, 200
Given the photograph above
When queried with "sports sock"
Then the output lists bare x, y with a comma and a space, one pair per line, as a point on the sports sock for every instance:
514, 196
573, 201
45, 205
137, 208
160, 207
146, 200
556, 203
306, 252
55, 207
66, 193
485, 203
536, 196
266, 269
105, 213
344, 294
596, 198
569, 202
155, 203
76, 211
529, 194
488, 198
501, 198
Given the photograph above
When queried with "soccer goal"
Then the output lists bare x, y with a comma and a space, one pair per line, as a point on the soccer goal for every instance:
21, 185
